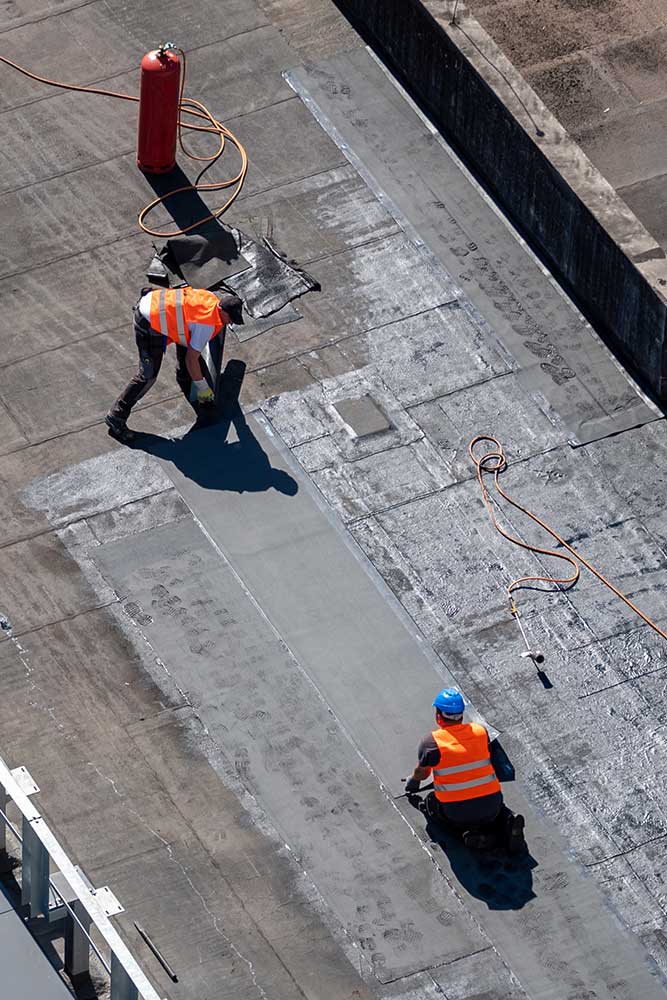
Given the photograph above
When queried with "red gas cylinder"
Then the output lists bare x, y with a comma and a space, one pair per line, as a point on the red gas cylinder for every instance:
158, 110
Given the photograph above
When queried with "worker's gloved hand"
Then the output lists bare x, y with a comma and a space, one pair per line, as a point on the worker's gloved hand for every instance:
204, 391
412, 785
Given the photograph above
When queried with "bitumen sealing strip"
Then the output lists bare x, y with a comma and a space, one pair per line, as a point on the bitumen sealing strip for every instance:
562, 363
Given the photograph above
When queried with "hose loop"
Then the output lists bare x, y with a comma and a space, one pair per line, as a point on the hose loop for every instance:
186, 106
494, 463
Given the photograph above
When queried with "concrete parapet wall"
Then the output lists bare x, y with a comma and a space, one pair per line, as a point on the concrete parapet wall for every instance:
570, 213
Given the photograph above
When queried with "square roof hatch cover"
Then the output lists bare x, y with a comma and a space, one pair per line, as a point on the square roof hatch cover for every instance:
363, 415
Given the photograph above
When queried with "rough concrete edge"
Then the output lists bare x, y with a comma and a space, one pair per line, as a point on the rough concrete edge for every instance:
593, 192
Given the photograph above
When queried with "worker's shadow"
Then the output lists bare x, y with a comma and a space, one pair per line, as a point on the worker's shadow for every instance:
205, 456
501, 880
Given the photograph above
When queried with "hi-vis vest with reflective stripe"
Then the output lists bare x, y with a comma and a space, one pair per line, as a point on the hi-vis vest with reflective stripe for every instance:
173, 308
465, 770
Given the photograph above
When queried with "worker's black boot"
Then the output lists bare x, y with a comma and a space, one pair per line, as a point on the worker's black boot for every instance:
516, 842
480, 839
119, 430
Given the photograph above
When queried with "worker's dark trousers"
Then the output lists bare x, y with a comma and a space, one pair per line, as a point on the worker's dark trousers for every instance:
498, 818
151, 352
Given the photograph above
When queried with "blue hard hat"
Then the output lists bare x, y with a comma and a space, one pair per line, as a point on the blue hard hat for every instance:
449, 702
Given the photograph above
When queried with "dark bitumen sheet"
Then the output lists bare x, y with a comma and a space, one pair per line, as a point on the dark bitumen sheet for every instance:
254, 327
236, 911
257, 273
205, 261
270, 282
561, 362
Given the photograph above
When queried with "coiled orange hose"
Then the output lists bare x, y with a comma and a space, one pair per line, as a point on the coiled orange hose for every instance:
494, 463
187, 106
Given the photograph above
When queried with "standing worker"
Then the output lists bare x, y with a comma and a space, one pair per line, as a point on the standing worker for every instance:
466, 792
189, 317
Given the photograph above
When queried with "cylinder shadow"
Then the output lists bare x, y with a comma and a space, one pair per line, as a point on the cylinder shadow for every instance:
187, 207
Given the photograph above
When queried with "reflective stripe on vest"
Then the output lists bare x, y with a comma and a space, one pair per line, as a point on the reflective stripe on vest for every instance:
173, 309
163, 313
177, 330
459, 785
467, 743
462, 767
180, 319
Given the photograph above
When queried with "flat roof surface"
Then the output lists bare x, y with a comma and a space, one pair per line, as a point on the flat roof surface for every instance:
224, 644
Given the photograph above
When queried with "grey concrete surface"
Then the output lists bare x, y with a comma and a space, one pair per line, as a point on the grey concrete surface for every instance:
601, 69
199, 747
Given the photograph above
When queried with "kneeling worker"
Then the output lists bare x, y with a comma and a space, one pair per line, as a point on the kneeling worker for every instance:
466, 788
188, 317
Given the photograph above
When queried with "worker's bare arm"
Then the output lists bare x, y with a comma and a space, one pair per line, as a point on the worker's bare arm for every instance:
421, 773
192, 364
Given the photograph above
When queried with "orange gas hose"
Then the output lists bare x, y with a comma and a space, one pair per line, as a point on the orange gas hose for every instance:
187, 106
494, 463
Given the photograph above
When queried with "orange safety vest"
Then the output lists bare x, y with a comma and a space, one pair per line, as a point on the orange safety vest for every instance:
173, 308
465, 770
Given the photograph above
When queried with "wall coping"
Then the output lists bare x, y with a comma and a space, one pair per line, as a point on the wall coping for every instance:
567, 157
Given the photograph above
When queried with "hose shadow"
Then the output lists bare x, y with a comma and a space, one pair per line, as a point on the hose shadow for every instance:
186, 207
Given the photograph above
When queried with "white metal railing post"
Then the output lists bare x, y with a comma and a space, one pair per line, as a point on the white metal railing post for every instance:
122, 987
77, 942
92, 906
35, 870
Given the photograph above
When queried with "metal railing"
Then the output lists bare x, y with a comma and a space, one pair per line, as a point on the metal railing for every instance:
66, 895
